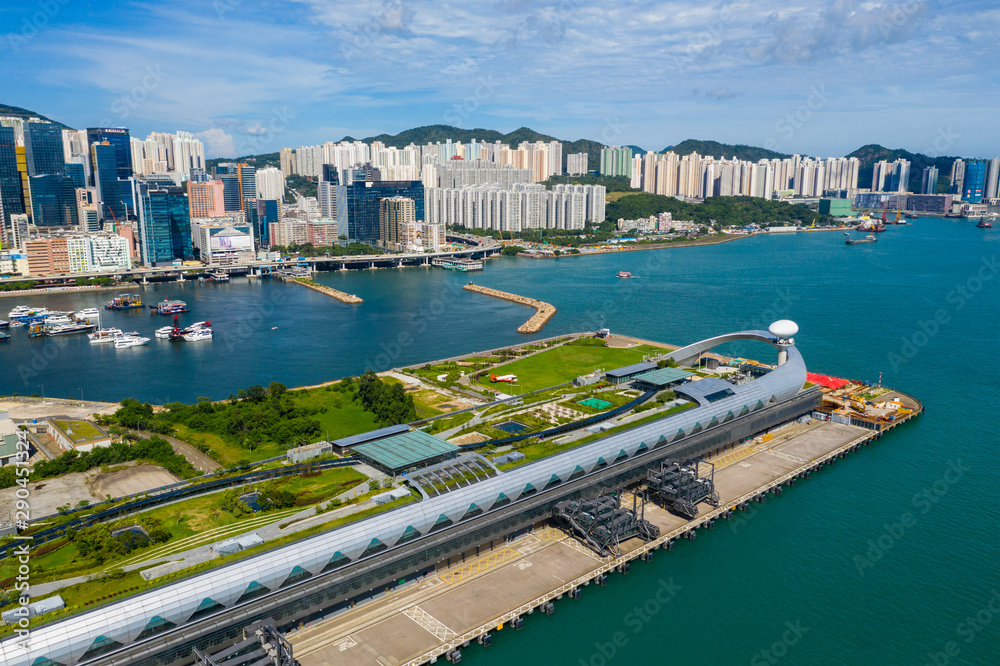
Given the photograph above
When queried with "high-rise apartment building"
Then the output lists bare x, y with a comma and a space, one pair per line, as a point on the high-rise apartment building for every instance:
577, 164
928, 183
993, 179
270, 184
616, 161
957, 176
393, 214
48, 256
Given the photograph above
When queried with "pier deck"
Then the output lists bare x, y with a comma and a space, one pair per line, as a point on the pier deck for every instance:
455, 605
543, 311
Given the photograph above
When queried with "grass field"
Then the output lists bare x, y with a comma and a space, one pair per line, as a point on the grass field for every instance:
343, 416
615, 196
567, 362
79, 431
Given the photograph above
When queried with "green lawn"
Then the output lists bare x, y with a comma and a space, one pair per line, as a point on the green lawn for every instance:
343, 416
79, 431
567, 362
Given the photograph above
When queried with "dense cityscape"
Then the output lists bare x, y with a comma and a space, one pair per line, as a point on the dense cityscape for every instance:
99, 200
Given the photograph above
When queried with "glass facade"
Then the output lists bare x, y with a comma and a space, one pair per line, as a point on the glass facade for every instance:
231, 192
268, 211
53, 201
118, 137
106, 180
164, 224
975, 179
10, 179
76, 171
363, 205
43, 146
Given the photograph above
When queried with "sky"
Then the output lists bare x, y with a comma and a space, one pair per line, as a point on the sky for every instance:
819, 77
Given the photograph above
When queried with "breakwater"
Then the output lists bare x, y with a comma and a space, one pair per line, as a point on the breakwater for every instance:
543, 311
329, 291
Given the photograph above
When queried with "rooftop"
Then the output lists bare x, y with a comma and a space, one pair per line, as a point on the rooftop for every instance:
631, 369
370, 436
663, 376
406, 450
78, 431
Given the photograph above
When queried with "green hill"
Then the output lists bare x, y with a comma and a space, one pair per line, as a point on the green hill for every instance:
870, 154
716, 149
724, 210
18, 112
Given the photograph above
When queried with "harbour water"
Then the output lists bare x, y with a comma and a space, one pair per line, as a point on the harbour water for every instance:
879, 559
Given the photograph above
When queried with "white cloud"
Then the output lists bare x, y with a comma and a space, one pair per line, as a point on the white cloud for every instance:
218, 143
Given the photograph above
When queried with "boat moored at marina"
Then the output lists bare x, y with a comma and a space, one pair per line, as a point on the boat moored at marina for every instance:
124, 302
104, 335
198, 335
169, 307
126, 341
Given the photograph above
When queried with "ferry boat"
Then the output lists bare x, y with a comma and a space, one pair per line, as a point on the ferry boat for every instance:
66, 329
127, 341
859, 241
169, 307
104, 335
87, 314
624, 274
198, 334
124, 302
28, 312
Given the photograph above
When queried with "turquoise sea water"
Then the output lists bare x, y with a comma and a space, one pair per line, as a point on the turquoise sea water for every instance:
880, 559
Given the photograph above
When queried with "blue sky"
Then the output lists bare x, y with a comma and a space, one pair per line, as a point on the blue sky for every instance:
820, 78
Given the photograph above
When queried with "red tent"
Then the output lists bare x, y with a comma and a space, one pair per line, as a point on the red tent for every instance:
823, 380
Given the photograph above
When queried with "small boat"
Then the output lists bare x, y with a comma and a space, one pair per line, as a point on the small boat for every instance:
127, 341
16, 323
4, 336
984, 224
66, 329
102, 335
169, 307
124, 302
911, 216
624, 274
86, 313
4, 323
859, 241
166, 333
198, 334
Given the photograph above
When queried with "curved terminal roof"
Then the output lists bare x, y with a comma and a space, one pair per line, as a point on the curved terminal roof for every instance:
81, 636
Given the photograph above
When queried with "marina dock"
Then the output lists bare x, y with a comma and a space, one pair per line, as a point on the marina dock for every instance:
543, 311
329, 291
502, 585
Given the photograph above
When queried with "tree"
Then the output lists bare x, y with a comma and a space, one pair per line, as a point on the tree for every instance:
276, 389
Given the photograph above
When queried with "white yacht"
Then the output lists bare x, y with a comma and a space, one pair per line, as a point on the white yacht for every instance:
72, 327
130, 341
164, 333
103, 335
198, 334
87, 314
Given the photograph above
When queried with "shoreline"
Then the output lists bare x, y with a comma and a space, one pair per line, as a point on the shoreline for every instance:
45, 291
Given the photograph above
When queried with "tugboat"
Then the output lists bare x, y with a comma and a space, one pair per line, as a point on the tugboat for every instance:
169, 307
124, 302
859, 241
984, 224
